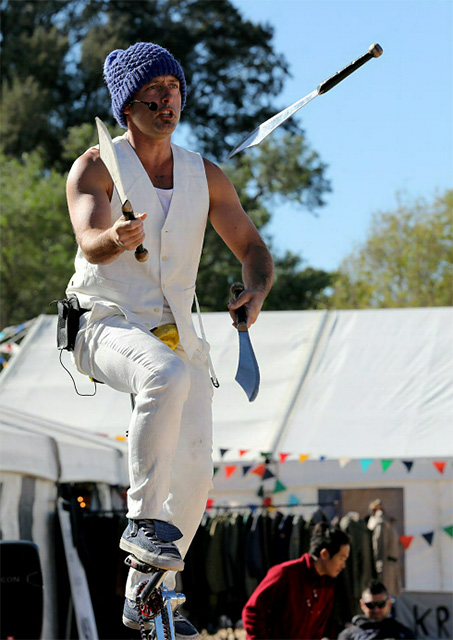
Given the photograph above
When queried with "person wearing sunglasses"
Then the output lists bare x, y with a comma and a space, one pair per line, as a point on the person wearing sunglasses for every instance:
376, 623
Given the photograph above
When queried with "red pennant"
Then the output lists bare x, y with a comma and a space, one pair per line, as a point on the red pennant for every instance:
260, 469
229, 470
406, 541
283, 457
242, 452
209, 503
267, 502
440, 466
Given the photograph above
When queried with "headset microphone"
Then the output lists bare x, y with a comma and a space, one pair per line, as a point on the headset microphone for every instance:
152, 106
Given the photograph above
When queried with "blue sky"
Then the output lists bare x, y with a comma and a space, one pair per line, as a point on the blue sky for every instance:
387, 129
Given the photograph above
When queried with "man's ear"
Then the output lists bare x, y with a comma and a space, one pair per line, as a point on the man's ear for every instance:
324, 555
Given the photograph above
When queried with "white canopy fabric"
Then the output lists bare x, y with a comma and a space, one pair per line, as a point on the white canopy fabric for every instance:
361, 383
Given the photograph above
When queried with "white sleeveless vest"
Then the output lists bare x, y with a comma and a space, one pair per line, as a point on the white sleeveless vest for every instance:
135, 288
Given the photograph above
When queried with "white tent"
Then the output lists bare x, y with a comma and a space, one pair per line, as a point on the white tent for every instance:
347, 389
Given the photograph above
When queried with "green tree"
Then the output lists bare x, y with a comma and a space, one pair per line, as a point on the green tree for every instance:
406, 261
38, 245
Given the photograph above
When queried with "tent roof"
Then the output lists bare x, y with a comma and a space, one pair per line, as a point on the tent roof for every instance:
361, 383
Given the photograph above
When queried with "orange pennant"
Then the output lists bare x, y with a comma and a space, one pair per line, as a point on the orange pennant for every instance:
260, 469
303, 457
406, 541
440, 466
229, 470
242, 452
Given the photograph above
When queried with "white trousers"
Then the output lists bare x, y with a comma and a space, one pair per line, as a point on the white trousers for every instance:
170, 432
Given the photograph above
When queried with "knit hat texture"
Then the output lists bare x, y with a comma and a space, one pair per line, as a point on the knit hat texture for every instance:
127, 70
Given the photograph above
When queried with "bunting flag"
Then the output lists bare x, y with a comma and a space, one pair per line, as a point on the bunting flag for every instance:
209, 503
268, 474
408, 464
215, 470
121, 438
303, 457
428, 537
246, 469
279, 486
448, 530
293, 500
386, 464
365, 463
344, 461
267, 455
223, 452
229, 470
260, 469
242, 452
283, 457
406, 541
260, 492
440, 466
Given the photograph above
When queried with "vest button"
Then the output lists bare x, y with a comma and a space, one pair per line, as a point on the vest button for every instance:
164, 258
156, 309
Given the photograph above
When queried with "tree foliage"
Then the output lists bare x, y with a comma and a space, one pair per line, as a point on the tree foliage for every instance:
406, 261
36, 237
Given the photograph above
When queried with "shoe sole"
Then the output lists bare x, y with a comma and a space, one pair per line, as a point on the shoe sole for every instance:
151, 559
134, 625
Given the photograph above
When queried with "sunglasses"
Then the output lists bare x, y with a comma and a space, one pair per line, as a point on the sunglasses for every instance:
376, 605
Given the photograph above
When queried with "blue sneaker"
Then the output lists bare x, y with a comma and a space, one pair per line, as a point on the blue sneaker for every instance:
152, 542
184, 630
131, 618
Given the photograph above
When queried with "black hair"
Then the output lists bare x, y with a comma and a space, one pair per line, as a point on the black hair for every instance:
375, 587
325, 536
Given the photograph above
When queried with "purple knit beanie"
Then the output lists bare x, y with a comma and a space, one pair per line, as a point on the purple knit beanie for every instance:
127, 70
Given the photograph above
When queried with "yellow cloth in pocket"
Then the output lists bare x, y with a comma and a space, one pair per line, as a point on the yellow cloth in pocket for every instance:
168, 333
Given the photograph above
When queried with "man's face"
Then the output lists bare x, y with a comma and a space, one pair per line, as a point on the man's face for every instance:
334, 565
379, 605
165, 92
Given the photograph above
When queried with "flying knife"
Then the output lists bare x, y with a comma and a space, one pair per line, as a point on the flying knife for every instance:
108, 156
248, 373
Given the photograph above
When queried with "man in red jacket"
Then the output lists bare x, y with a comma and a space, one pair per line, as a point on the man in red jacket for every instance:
295, 599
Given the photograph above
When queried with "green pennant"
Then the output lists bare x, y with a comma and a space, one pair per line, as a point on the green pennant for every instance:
449, 530
278, 487
215, 470
260, 492
386, 464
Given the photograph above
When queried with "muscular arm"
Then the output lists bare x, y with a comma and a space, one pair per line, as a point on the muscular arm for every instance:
240, 234
89, 189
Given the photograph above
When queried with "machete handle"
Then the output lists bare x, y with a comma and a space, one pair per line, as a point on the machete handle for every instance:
241, 315
141, 254
374, 51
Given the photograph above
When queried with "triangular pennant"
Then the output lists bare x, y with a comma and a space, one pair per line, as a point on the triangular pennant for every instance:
440, 466
293, 500
246, 469
303, 457
260, 492
215, 470
283, 457
386, 464
223, 452
209, 503
365, 463
260, 469
267, 455
429, 537
267, 502
268, 474
406, 541
449, 530
322, 458
229, 470
279, 486
408, 464
242, 452
344, 461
